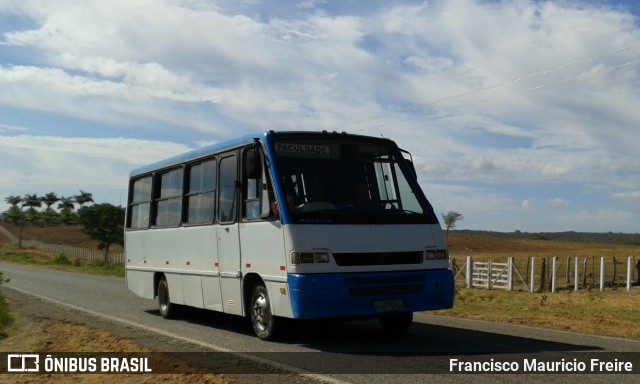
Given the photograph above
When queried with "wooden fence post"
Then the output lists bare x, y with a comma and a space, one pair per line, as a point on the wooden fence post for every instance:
554, 262
601, 273
629, 272
577, 275
533, 274
510, 274
543, 274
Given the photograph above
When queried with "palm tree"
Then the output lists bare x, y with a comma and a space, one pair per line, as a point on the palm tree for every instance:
48, 214
13, 200
83, 198
14, 214
49, 199
66, 207
31, 201
66, 202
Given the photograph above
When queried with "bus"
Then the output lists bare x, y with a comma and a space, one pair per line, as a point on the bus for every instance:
276, 225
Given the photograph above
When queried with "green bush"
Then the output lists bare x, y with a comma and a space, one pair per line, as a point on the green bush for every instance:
6, 319
61, 259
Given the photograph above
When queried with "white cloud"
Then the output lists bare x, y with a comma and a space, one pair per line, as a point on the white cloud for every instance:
41, 164
558, 202
605, 220
631, 197
482, 93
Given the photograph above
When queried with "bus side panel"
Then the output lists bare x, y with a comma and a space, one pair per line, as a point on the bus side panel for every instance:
182, 255
262, 247
140, 283
176, 294
192, 290
280, 298
211, 296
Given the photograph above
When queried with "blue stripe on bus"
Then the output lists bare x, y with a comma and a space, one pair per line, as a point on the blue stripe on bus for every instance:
357, 294
197, 153
278, 191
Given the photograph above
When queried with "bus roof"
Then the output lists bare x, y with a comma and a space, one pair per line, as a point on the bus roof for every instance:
196, 154
230, 144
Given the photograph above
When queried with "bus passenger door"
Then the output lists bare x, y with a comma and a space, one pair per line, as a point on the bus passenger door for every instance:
228, 237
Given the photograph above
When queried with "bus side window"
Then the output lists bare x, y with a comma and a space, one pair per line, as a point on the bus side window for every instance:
140, 205
228, 188
256, 203
168, 198
200, 196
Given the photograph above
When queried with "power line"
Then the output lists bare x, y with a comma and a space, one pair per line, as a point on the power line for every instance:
495, 86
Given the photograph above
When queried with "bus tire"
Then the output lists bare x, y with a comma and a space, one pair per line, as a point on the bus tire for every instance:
263, 321
396, 322
166, 308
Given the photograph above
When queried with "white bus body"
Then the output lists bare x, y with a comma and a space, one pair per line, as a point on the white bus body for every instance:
289, 224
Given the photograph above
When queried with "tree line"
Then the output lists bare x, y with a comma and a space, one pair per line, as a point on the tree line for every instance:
102, 222
40, 210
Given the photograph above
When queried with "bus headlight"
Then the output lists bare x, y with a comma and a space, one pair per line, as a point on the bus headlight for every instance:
310, 257
435, 254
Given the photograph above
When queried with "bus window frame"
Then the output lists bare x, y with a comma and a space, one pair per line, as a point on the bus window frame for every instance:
187, 193
136, 203
262, 187
159, 198
221, 158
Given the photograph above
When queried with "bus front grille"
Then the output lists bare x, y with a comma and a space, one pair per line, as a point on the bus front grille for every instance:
380, 258
385, 285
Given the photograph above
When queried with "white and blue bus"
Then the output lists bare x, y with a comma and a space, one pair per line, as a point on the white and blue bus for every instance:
302, 225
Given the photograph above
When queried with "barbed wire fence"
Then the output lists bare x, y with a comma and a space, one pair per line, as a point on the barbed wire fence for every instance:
539, 274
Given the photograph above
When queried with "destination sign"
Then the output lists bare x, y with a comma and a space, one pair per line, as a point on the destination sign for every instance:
307, 150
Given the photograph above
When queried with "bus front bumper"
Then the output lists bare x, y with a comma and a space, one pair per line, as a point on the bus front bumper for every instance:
363, 295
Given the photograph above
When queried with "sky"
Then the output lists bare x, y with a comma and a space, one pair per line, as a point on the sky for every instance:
522, 115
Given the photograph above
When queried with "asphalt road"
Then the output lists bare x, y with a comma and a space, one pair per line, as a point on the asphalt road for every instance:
353, 352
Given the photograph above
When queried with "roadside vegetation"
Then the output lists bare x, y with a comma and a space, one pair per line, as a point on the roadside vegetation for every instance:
10, 253
613, 313
6, 318
38, 210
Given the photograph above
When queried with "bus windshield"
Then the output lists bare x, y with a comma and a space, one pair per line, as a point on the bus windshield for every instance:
342, 180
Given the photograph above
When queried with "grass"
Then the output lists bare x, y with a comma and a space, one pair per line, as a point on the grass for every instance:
6, 318
614, 313
12, 254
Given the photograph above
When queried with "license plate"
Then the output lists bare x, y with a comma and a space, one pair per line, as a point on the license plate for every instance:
388, 305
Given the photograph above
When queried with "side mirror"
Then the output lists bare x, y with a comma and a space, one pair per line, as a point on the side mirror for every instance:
409, 161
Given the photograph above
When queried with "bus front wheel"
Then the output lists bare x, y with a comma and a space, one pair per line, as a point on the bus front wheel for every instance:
396, 322
263, 321
167, 310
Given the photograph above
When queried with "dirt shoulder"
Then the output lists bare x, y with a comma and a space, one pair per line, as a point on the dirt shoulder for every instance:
44, 327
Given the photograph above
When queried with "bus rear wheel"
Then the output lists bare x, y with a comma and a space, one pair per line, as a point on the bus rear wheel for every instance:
263, 321
396, 322
167, 310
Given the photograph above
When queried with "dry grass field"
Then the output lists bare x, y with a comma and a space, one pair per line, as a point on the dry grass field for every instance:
612, 312
60, 234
